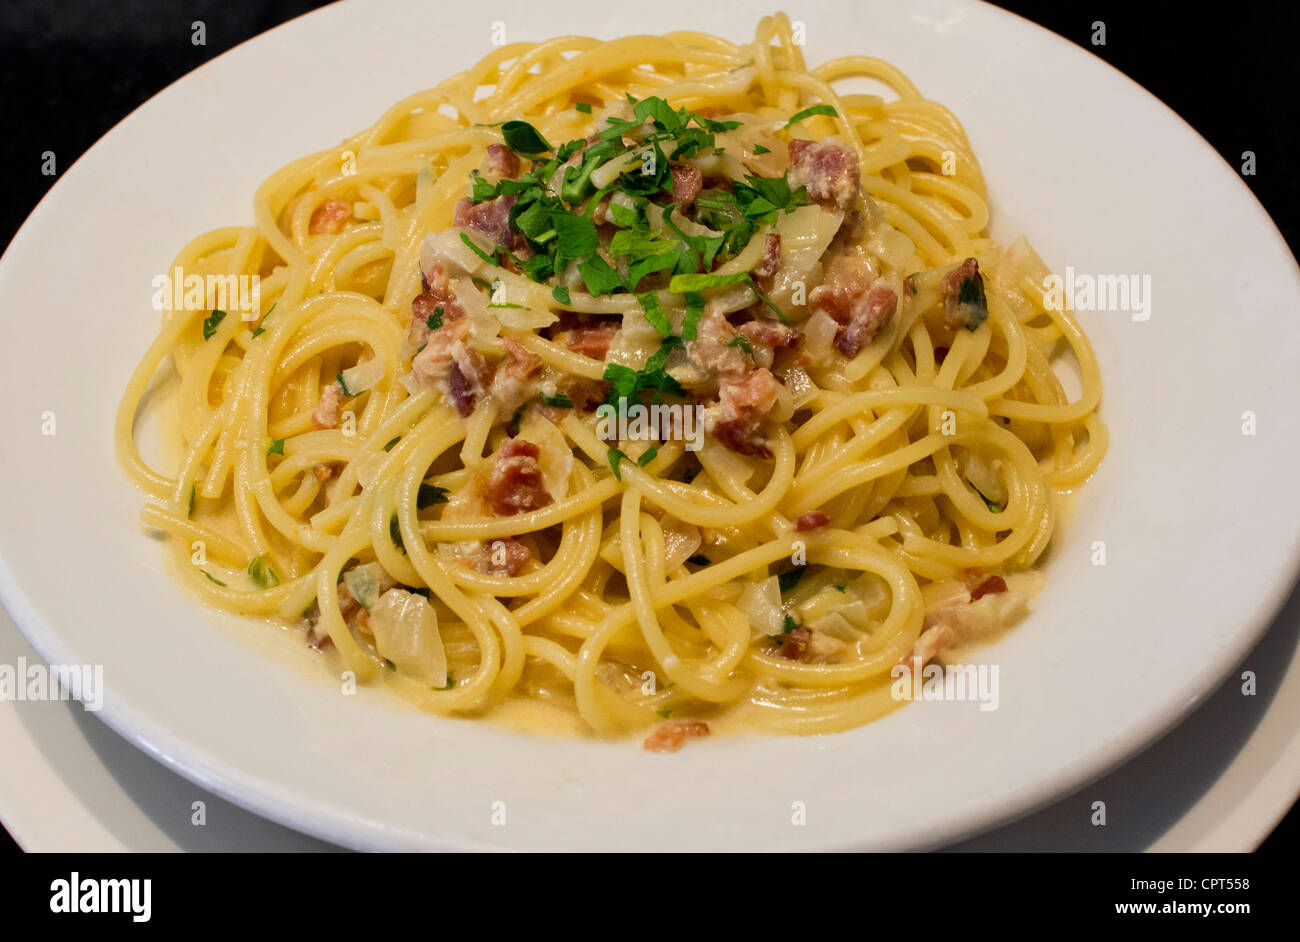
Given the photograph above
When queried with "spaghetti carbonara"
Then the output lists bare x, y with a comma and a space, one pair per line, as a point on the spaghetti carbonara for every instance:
661, 379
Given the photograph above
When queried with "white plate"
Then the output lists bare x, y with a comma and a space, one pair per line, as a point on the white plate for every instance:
77, 787
1200, 521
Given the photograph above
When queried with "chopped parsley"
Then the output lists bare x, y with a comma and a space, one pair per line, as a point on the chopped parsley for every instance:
626, 383
260, 571
654, 313
615, 456
430, 494
522, 138
389, 446
275, 447
970, 296
211, 322
788, 580
647, 456
558, 401
395, 533
635, 157
464, 237
434, 320
788, 624
827, 110
741, 341
213, 578
259, 330
759, 150
992, 505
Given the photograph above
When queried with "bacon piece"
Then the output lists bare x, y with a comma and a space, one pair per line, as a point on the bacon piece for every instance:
506, 557
828, 169
712, 349
515, 483
951, 283
853, 295
671, 736
468, 377
437, 294
584, 393
872, 314
933, 640
330, 217
957, 313
772, 335
796, 643
812, 520
491, 217
770, 263
500, 161
743, 404
592, 341
511, 386
326, 413
433, 362
687, 181
993, 585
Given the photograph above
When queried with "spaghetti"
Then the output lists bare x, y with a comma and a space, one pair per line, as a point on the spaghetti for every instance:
657, 377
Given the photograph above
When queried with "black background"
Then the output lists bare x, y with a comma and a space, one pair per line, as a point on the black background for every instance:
70, 71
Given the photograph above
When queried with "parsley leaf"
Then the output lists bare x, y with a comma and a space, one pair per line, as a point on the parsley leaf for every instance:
211, 322
395, 533
615, 456
522, 138
464, 237
429, 495
827, 110
558, 401
788, 580
598, 276
260, 571
654, 313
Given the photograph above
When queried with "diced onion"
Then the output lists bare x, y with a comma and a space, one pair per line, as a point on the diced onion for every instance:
819, 335
760, 602
524, 318
405, 628
983, 474
368, 467
681, 542
802, 389
363, 376
364, 582
554, 456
